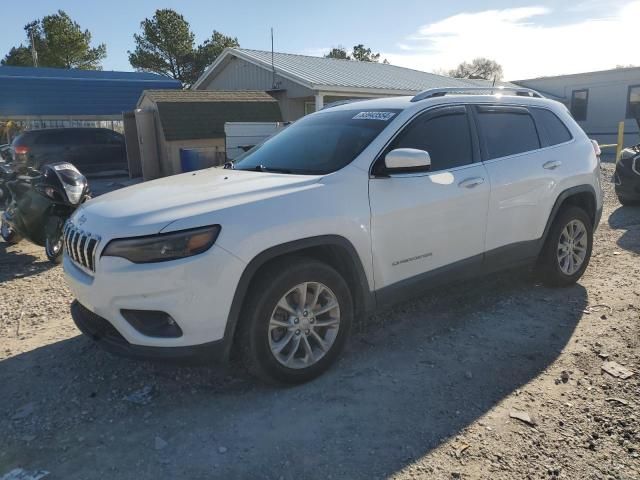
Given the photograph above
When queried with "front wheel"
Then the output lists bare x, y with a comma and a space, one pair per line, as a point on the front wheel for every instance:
8, 234
297, 321
567, 250
53, 245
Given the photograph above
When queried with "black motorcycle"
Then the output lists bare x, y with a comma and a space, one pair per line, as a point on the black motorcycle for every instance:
41, 202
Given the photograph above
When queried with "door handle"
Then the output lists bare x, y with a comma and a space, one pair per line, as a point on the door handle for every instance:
471, 182
552, 164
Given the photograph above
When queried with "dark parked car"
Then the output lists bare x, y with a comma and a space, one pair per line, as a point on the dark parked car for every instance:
627, 176
91, 150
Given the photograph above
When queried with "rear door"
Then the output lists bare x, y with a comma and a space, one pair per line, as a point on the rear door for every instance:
523, 175
431, 220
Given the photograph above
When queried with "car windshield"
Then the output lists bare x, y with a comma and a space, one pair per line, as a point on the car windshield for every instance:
317, 144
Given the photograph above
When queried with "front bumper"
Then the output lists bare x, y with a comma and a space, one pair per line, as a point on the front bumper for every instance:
196, 292
109, 338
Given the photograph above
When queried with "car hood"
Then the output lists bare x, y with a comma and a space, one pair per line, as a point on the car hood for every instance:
148, 207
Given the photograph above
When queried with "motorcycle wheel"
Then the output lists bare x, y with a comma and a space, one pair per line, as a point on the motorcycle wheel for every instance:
8, 234
53, 246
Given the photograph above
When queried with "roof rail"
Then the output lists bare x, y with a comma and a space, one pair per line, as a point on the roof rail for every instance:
441, 92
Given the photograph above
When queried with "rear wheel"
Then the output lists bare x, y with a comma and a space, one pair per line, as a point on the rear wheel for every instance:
567, 250
8, 234
296, 322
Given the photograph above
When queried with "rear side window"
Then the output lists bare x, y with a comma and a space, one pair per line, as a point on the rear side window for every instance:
551, 128
445, 135
507, 131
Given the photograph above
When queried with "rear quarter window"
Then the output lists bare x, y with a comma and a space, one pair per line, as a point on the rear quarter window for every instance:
552, 129
506, 131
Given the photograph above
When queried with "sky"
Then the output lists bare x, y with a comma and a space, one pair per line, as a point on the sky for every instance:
528, 38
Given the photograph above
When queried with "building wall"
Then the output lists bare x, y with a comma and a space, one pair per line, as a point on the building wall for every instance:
239, 74
606, 104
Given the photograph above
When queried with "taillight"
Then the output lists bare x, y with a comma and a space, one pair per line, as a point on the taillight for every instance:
21, 149
596, 147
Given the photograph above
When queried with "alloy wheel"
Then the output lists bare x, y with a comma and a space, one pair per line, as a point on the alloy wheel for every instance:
572, 247
304, 325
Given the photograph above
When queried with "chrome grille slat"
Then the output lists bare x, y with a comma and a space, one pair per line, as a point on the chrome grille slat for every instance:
81, 247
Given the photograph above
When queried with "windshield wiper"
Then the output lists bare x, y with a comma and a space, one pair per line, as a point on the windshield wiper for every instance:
262, 168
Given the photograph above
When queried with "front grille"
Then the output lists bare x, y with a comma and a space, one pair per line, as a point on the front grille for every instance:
81, 247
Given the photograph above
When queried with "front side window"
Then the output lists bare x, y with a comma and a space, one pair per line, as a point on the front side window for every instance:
444, 135
318, 144
555, 132
579, 100
506, 131
633, 102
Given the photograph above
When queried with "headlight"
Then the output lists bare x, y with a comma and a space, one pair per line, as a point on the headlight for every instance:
164, 246
74, 192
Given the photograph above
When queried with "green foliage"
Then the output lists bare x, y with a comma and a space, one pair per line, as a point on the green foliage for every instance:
479, 68
338, 52
363, 54
166, 46
359, 53
59, 43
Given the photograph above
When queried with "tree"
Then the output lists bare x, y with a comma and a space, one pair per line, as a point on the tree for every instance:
479, 68
59, 42
338, 52
359, 53
363, 54
167, 46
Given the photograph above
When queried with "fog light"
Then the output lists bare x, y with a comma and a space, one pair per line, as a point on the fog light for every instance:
152, 323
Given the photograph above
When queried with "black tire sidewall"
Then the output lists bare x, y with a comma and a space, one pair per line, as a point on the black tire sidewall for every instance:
552, 274
272, 286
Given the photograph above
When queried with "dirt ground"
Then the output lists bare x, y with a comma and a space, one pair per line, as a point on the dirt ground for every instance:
423, 391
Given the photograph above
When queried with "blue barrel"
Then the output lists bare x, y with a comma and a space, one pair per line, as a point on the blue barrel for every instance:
190, 160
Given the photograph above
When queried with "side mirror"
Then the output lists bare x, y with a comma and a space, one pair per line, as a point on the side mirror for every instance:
407, 159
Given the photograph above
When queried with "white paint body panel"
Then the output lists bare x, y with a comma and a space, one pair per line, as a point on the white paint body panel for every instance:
386, 220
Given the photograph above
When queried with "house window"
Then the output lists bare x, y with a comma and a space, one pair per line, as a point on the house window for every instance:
633, 102
579, 99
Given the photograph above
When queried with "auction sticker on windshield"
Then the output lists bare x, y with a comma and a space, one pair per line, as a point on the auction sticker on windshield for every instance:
384, 116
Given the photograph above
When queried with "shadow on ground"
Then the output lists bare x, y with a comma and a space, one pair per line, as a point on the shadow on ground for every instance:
18, 264
627, 219
409, 379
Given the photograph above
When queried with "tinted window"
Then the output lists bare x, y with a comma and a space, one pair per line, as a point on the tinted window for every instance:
579, 100
445, 136
317, 144
554, 130
633, 102
507, 131
55, 137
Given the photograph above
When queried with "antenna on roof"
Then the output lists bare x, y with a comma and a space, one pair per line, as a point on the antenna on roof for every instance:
273, 65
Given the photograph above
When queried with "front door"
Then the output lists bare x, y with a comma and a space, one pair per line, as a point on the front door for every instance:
432, 221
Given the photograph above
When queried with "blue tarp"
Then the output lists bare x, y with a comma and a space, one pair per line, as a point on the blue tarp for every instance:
35, 92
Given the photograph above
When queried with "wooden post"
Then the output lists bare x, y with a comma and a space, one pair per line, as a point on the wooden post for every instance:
620, 140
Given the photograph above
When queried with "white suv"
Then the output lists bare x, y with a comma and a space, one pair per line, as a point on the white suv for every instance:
350, 208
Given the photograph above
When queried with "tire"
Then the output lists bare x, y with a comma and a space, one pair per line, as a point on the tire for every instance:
628, 202
8, 234
53, 248
552, 266
259, 335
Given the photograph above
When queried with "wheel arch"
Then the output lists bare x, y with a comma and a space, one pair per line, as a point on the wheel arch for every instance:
335, 250
583, 196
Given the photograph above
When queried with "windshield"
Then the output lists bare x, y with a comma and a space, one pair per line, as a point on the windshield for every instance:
317, 144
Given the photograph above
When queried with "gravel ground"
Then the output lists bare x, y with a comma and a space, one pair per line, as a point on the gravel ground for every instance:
425, 390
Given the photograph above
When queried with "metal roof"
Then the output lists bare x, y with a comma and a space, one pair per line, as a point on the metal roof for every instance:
329, 74
27, 92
